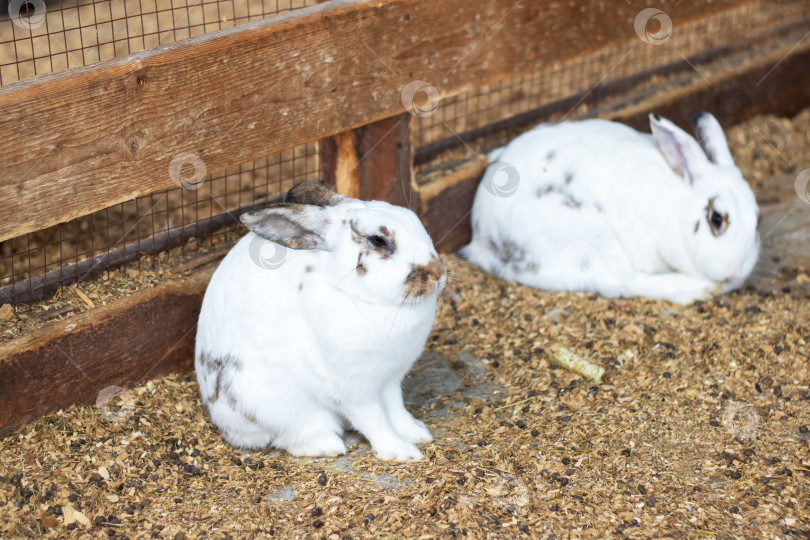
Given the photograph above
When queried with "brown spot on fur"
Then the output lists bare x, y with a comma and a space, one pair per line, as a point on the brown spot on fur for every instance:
236, 406
313, 193
361, 269
212, 363
569, 177
300, 286
217, 388
568, 199
507, 251
422, 280
308, 269
215, 365
550, 155
357, 236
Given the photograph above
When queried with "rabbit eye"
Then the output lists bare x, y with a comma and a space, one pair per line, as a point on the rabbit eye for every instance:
377, 241
718, 222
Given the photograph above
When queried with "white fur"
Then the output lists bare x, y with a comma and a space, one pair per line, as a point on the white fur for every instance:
624, 224
312, 352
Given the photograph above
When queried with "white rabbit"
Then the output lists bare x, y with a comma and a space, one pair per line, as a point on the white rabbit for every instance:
596, 206
311, 322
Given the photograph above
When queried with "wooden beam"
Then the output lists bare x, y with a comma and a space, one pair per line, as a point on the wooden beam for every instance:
139, 337
373, 162
339, 163
103, 134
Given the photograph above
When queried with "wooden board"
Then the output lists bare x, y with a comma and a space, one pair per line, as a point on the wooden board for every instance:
99, 135
373, 162
134, 339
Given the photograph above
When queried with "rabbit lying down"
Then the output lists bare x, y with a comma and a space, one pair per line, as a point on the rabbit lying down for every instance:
296, 346
596, 206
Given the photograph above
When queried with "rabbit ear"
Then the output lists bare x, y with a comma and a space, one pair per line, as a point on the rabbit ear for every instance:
681, 152
313, 193
711, 138
296, 226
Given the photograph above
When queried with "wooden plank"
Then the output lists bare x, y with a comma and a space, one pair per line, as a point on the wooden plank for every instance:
98, 135
134, 339
446, 214
373, 162
339, 163
774, 83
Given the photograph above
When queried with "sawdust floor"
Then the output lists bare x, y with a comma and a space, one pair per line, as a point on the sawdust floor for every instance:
699, 427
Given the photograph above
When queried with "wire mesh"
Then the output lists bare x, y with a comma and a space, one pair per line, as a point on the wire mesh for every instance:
38, 37
585, 75
35, 265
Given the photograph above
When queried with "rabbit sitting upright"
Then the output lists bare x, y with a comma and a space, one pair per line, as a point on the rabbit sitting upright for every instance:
596, 206
311, 322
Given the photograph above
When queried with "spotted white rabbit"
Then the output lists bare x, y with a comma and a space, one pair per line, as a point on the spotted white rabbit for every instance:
311, 322
596, 206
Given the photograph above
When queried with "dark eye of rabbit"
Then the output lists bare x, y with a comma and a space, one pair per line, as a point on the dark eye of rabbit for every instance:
377, 241
718, 222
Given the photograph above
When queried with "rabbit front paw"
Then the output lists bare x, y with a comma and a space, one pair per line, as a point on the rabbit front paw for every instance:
401, 451
412, 430
325, 443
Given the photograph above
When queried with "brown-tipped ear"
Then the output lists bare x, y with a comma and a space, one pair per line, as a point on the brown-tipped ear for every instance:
314, 193
295, 226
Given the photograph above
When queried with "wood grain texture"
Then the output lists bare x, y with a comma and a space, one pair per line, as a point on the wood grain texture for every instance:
386, 162
99, 135
134, 339
373, 162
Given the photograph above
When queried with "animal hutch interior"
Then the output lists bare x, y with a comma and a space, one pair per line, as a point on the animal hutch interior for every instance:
133, 134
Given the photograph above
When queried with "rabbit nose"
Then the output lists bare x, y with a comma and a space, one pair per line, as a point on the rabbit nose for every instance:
423, 279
